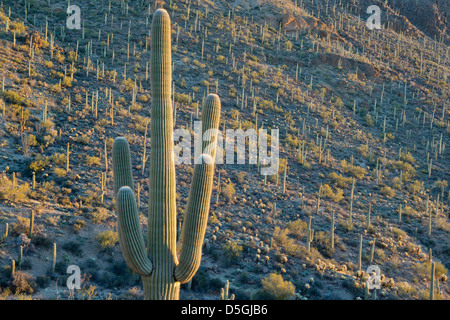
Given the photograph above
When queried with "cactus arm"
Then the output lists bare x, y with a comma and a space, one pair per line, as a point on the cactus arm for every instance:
196, 218
130, 234
121, 159
197, 210
210, 124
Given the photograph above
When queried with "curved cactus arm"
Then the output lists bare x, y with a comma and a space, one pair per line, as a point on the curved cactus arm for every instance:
195, 221
121, 160
130, 234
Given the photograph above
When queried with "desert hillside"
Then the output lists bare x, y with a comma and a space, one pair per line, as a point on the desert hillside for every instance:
364, 132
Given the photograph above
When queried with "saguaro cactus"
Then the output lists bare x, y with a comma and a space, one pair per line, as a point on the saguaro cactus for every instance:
309, 235
167, 264
224, 292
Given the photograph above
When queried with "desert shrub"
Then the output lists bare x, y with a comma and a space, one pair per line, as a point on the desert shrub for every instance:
292, 141
327, 192
92, 161
357, 171
118, 274
48, 64
323, 244
369, 120
183, 98
134, 293
99, 215
107, 239
73, 247
15, 193
228, 190
39, 164
416, 187
423, 270
18, 27
275, 288
289, 244
83, 139
340, 180
21, 226
13, 97
59, 57
66, 82
78, 225
407, 157
23, 283
46, 190
202, 281
394, 231
60, 173
298, 228
387, 191
42, 281
232, 252
443, 224
42, 241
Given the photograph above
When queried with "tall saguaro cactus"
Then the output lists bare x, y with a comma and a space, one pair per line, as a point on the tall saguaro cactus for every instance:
164, 264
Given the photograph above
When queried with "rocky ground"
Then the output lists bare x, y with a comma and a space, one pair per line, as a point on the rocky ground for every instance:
351, 105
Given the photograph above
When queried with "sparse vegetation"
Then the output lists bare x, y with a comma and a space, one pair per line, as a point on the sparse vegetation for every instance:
363, 132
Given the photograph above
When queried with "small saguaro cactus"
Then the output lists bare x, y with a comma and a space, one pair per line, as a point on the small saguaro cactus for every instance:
54, 258
31, 223
5, 235
332, 231
360, 253
309, 235
166, 263
224, 295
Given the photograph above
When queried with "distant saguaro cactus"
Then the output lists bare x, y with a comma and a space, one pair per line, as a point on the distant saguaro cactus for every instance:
168, 263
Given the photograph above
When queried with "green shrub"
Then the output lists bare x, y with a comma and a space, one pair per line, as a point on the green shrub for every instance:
387, 191
232, 252
13, 97
99, 215
276, 288
73, 247
8, 191
108, 239
298, 228
92, 161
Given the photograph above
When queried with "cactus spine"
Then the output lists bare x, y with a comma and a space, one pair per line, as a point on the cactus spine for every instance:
167, 263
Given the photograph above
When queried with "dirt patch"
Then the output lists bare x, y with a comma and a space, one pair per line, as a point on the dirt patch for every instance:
364, 70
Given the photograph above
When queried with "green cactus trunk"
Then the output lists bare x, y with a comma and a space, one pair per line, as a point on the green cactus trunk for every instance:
162, 206
165, 264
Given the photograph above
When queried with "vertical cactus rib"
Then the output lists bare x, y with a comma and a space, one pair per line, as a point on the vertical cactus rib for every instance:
121, 159
130, 234
196, 218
